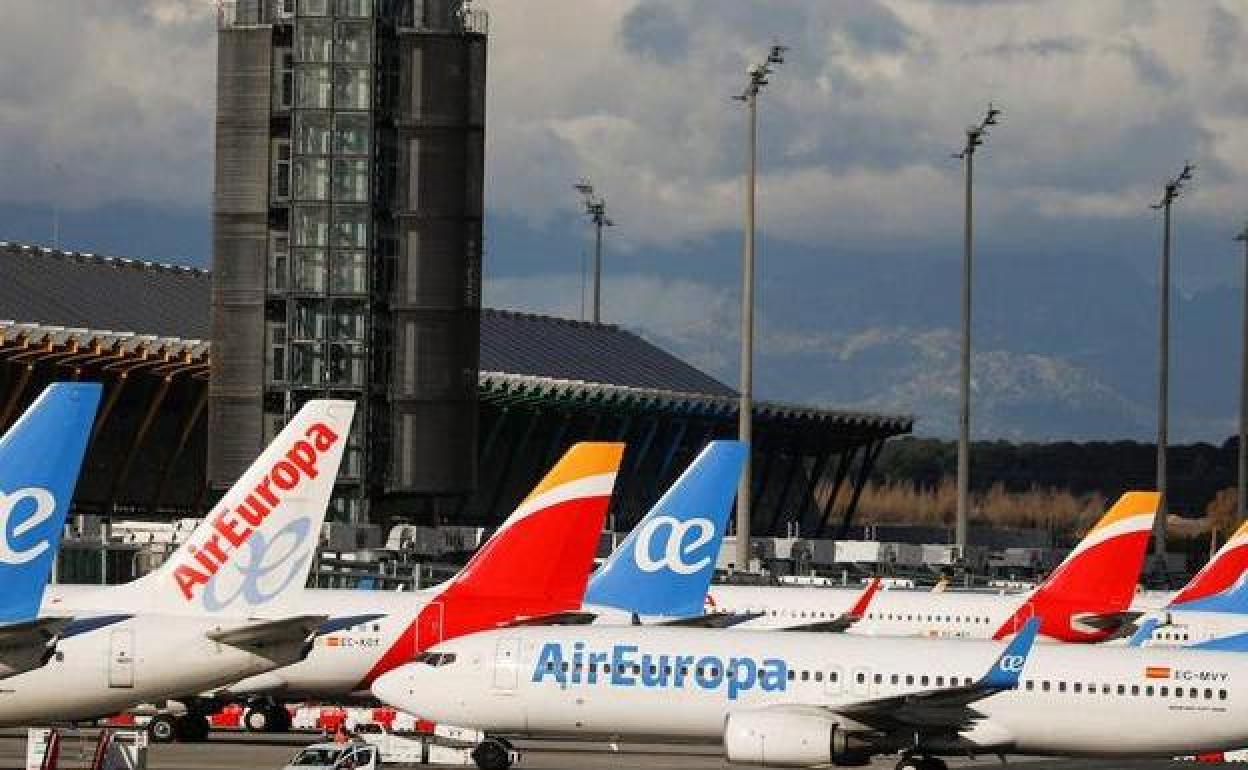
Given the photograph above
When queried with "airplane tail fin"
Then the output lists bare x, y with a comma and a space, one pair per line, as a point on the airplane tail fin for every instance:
1222, 571
1098, 577
664, 566
537, 563
1233, 600
254, 549
40, 458
545, 549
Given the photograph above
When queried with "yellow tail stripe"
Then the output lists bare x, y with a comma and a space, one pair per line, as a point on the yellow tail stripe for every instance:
588, 458
1130, 504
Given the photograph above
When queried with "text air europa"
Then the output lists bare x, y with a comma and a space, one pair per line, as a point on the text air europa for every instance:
235, 523
626, 666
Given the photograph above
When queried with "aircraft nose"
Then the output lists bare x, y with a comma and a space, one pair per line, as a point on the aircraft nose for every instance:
395, 688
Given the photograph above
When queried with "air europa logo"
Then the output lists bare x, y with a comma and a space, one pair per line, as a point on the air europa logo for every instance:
684, 537
44, 507
624, 667
235, 524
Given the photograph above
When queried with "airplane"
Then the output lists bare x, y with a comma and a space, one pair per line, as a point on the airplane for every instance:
805, 699
1200, 620
1086, 599
40, 458
523, 575
189, 626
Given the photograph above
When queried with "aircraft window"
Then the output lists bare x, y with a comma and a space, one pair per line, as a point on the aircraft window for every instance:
655, 669
818, 676
923, 680
637, 669
1104, 689
861, 678
684, 671
550, 665
1221, 694
940, 681
894, 680
909, 679
957, 618
1193, 693
1148, 691
1078, 687
879, 678
1165, 691
564, 666
1208, 694
1061, 687
576, 667
909, 617
376, 627
805, 676
1135, 689
1030, 685
968, 682
714, 672
1122, 689
832, 676
1178, 692
792, 675
1044, 685
667, 671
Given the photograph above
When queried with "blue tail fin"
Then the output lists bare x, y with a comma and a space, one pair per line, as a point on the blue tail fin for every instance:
1233, 600
40, 457
664, 566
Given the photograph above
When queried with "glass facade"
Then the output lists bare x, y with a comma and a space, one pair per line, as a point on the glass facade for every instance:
320, 255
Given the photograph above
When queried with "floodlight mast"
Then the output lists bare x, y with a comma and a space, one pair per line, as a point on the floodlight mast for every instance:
1171, 190
1242, 501
596, 210
758, 74
975, 136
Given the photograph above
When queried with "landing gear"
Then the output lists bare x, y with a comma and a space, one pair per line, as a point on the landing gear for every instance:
266, 718
492, 754
162, 729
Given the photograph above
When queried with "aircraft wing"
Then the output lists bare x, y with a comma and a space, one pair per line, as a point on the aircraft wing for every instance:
847, 619
555, 619
946, 709
712, 620
264, 637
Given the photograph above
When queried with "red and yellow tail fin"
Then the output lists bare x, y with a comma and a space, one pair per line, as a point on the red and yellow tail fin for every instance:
1222, 571
1098, 577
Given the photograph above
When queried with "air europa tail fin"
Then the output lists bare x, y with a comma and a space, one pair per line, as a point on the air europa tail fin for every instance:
1098, 577
40, 458
254, 549
1222, 571
664, 566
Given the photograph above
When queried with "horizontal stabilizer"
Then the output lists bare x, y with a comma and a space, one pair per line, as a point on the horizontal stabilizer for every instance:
1144, 632
89, 623
1108, 621
31, 633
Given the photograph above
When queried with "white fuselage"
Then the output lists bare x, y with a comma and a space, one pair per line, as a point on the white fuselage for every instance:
338, 662
1073, 699
146, 658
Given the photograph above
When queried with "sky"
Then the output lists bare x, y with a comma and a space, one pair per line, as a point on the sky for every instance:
106, 133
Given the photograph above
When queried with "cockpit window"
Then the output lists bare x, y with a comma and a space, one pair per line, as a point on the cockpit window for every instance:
435, 659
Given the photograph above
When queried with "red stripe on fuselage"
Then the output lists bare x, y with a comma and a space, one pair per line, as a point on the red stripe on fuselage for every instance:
1100, 580
537, 566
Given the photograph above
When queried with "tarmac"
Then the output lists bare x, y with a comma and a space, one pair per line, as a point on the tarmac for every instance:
243, 751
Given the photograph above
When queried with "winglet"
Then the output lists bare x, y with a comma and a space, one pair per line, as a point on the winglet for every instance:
664, 566
1143, 633
1007, 669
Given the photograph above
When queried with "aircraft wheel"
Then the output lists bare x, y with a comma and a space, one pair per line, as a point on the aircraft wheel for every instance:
931, 763
258, 719
193, 728
491, 754
162, 729
279, 719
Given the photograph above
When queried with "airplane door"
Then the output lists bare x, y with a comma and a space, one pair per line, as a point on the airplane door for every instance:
121, 658
507, 664
861, 683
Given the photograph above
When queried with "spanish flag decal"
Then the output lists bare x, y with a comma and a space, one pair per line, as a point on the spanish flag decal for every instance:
1157, 672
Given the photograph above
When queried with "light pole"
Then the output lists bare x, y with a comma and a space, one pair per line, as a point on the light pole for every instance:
1243, 389
757, 79
1170, 192
596, 210
975, 136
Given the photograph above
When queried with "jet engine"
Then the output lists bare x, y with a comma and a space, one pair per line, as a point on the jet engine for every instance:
791, 737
